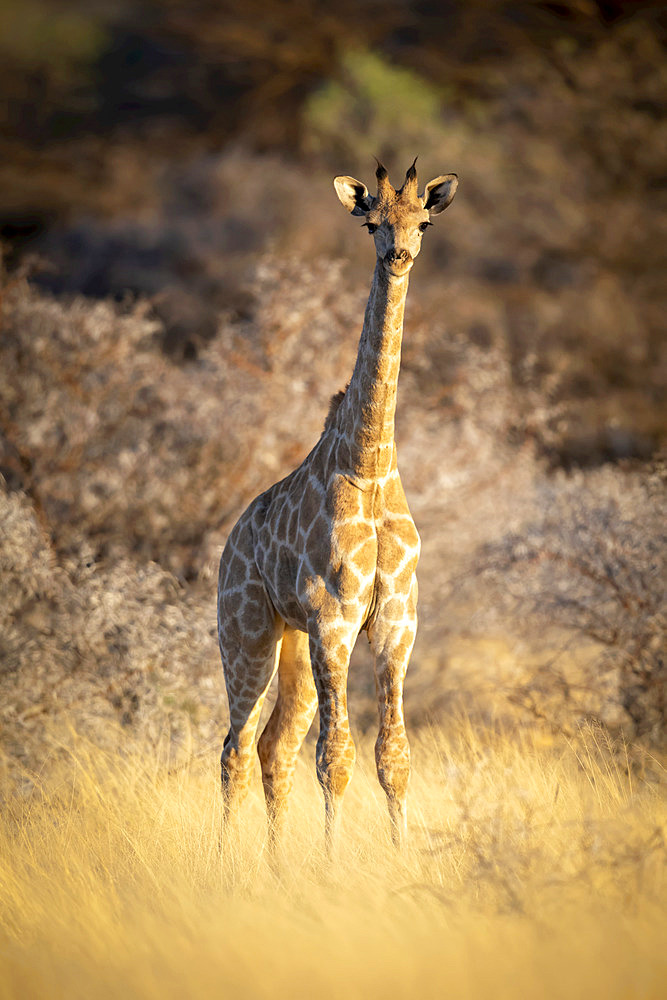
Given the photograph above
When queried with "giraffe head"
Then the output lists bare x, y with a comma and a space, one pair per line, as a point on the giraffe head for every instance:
397, 219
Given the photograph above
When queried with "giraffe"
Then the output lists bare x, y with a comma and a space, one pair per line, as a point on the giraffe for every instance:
330, 551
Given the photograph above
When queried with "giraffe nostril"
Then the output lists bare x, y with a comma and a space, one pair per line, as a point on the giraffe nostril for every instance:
394, 254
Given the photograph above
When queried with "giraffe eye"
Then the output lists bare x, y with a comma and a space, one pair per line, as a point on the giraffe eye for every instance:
371, 227
423, 226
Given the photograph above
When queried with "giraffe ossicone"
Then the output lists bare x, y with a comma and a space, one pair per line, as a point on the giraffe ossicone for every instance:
330, 551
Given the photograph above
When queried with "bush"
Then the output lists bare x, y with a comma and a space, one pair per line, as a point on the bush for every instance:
594, 567
374, 109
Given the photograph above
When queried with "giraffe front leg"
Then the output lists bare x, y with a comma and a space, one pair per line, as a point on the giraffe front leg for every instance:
335, 756
392, 640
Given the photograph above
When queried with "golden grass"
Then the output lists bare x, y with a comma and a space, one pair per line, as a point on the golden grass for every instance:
535, 869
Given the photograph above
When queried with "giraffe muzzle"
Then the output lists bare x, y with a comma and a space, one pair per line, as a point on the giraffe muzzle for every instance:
398, 261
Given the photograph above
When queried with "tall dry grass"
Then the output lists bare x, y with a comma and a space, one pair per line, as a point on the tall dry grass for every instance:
534, 869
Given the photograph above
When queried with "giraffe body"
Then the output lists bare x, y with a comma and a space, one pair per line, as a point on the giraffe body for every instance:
328, 552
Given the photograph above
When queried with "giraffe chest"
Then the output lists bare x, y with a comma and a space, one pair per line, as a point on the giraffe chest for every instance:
318, 556
326, 555
398, 542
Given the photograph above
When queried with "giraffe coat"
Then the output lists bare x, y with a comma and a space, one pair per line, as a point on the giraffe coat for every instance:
329, 551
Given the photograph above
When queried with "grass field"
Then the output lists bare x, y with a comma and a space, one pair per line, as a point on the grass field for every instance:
535, 869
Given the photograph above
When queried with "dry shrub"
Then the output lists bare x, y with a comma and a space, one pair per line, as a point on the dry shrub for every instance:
134, 433
96, 643
592, 566
126, 470
142, 457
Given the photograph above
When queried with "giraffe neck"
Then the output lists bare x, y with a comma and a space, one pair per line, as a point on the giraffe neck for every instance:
366, 416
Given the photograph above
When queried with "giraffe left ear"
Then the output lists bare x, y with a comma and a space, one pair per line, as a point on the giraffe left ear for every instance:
353, 195
439, 193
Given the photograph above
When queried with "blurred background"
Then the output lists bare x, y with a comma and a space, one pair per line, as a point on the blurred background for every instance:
182, 293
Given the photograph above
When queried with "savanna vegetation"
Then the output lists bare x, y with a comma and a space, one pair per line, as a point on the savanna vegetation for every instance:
533, 870
181, 294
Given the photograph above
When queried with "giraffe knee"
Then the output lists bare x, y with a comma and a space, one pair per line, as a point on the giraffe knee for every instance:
392, 758
227, 767
277, 758
234, 768
266, 746
335, 763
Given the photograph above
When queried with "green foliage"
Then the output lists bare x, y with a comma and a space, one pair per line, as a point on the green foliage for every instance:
374, 108
36, 38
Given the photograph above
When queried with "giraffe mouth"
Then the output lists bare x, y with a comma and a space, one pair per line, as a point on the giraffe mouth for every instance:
398, 267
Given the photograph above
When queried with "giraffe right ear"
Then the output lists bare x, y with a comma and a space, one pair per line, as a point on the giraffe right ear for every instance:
353, 195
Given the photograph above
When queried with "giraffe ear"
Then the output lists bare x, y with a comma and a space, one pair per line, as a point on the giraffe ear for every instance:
439, 193
353, 195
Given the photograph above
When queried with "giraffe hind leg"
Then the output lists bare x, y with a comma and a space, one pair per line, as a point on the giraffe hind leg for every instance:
245, 706
250, 659
287, 728
249, 633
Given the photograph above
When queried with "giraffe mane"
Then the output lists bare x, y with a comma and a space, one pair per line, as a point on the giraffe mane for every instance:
334, 405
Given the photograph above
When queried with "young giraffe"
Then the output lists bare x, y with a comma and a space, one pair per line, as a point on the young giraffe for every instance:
329, 551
